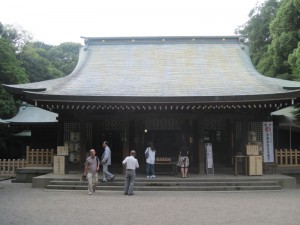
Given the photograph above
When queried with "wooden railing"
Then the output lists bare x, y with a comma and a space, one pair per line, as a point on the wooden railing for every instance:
8, 167
34, 158
287, 157
39, 157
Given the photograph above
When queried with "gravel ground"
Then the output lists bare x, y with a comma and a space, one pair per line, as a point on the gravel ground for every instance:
20, 204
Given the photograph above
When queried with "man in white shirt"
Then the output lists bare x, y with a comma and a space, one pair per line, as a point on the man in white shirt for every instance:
131, 164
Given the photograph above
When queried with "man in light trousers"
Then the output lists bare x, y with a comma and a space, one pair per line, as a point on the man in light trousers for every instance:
91, 171
106, 161
131, 164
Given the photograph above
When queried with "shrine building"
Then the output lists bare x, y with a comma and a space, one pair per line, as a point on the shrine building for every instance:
130, 91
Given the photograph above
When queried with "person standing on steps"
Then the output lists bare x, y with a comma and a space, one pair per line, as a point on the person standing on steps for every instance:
106, 161
91, 171
184, 160
131, 164
150, 161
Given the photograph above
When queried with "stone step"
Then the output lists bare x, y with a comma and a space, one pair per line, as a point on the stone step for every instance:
173, 188
179, 185
172, 183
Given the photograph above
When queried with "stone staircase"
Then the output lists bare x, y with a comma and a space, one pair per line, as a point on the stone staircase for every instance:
174, 184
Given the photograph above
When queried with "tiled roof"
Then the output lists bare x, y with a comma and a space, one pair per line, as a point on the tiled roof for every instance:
167, 67
3, 121
31, 114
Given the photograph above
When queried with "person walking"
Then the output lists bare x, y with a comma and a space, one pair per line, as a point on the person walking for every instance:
131, 164
91, 171
106, 161
150, 161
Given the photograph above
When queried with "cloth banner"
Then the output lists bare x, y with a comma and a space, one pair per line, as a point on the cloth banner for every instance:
209, 159
268, 141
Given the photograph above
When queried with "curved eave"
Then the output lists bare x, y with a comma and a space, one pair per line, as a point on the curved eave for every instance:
20, 91
31, 123
154, 99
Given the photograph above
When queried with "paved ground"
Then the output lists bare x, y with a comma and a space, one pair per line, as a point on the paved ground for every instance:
20, 204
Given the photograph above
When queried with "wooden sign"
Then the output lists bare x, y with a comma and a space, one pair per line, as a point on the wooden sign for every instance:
62, 150
251, 149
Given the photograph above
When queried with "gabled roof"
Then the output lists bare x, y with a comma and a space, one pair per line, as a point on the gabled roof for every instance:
288, 112
33, 115
286, 118
161, 69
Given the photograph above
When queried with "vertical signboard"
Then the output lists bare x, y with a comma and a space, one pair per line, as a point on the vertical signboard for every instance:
59, 165
209, 159
268, 141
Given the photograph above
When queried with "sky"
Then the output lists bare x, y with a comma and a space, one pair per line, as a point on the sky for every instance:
57, 21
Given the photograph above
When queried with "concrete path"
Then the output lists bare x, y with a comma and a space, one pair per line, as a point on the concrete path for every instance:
21, 205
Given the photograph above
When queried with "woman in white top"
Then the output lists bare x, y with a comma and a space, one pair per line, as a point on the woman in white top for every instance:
150, 161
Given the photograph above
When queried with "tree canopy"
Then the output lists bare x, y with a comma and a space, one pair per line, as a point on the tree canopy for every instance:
273, 31
23, 60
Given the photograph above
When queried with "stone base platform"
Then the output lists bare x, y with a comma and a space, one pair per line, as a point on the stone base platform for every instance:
26, 174
283, 180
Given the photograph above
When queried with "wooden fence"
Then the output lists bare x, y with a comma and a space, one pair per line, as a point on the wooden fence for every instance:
287, 157
8, 167
39, 157
34, 158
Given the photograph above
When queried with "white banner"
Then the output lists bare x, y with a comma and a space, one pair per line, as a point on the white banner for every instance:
268, 141
209, 159
209, 156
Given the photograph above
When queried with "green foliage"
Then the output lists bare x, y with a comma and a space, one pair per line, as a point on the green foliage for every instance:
279, 51
7, 104
44, 62
11, 72
257, 30
273, 31
285, 34
22, 60
37, 67
16, 36
64, 56
294, 61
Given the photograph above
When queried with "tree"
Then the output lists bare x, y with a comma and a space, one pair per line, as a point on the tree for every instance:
37, 67
294, 62
16, 36
64, 56
257, 29
11, 72
44, 62
273, 33
285, 35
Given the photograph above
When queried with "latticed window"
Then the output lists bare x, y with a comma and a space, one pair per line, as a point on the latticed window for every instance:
163, 124
257, 128
74, 128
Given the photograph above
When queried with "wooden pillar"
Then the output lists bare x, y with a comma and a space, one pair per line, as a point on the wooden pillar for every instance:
60, 131
83, 138
244, 140
201, 147
125, 138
